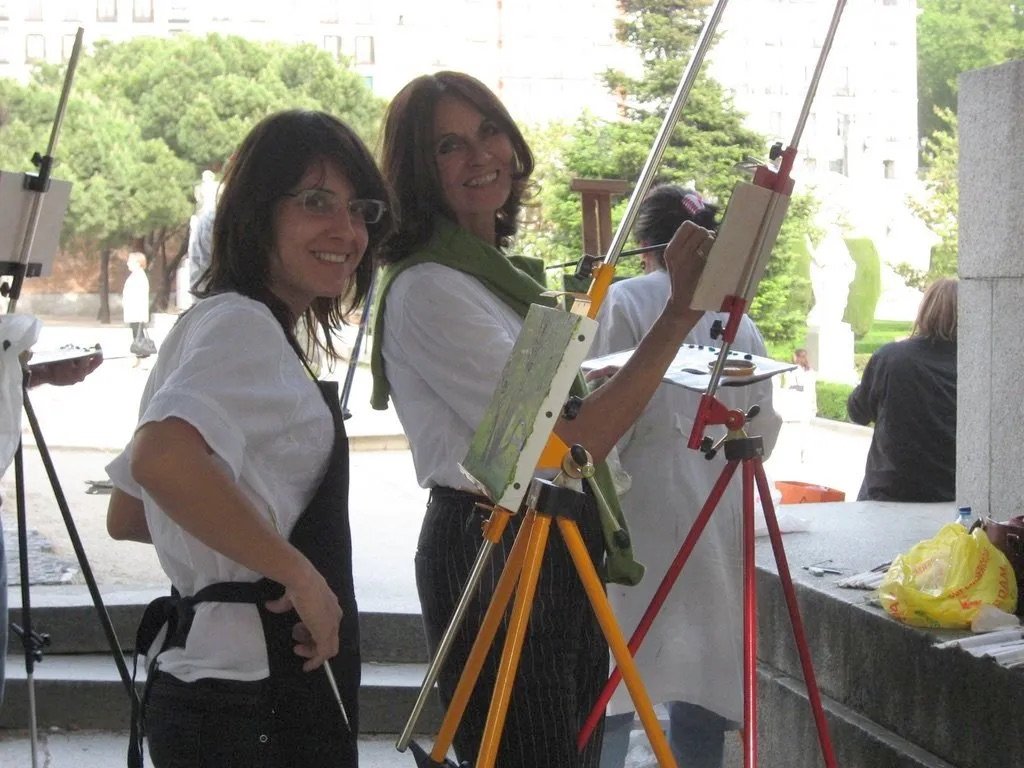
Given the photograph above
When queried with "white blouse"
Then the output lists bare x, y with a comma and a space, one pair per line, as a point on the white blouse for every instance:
227, 369
433, 315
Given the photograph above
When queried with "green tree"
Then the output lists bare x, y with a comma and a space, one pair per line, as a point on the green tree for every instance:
705, 148
955, 36
147, 116
938, 208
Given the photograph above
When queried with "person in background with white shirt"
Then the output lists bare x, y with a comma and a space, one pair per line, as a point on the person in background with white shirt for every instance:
691, 659
238, 470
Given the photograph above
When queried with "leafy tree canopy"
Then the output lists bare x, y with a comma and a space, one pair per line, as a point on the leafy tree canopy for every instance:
705, 148
147, 116
955, 36
939, 206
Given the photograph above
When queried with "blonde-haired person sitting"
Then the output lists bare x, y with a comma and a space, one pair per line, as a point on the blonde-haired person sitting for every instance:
909, 391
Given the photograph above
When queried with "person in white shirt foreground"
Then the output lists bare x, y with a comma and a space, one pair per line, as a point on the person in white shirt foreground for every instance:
692, 657
238, 470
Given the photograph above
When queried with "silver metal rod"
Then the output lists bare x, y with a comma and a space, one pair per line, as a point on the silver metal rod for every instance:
444, 647
337, 694
812, 89
664, 136
37, 198
65, 92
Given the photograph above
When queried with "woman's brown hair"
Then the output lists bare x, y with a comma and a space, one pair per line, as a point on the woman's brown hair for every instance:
271, 160
409, 162
936, 316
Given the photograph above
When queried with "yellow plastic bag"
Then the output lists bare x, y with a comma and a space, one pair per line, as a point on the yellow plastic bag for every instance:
944, 580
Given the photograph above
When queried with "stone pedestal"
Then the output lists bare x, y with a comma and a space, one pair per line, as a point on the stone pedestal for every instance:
990, 419
830, 352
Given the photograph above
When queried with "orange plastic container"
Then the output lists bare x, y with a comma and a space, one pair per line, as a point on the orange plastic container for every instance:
795, 492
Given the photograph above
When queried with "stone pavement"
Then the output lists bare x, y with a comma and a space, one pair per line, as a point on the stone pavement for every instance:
103, 749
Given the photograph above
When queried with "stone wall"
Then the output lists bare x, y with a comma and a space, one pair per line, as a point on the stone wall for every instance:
990, 419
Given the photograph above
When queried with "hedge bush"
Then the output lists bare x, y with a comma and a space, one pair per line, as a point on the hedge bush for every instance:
866, 287
832, 399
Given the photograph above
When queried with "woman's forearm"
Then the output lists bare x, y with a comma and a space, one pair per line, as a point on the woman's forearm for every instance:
173, 463
609, 411
126, 518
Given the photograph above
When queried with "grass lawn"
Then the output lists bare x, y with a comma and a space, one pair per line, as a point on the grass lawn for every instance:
882, 332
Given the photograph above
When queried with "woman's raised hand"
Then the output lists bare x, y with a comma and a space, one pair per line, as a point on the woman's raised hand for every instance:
685, 257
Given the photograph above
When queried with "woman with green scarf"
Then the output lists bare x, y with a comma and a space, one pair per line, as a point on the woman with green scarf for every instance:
451, 304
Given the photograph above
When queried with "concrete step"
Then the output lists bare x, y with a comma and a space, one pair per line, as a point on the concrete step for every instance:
103, 749
85, 691
69, 617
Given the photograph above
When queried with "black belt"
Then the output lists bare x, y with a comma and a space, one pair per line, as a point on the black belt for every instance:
445, 493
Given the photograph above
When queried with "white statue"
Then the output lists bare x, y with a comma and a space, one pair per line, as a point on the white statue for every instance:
206, 191
832, 271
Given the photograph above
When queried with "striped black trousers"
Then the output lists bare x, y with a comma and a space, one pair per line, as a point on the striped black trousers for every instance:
565, 657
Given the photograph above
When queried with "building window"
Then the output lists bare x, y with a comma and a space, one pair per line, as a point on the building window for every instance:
35, 48
329, 12
72, 10
106, 10
142, 10
34, 10
5, 12
220, 10
67, 44
837, 166
178, 13
890, 2
843, 87
889, 169
364, 49
5, 45
332, 44
810, 164
368, 81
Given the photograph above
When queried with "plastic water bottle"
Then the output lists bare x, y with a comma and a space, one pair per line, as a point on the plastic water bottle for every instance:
965, 516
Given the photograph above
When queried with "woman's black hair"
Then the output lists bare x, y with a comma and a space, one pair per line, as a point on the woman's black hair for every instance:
664, 210
271, 160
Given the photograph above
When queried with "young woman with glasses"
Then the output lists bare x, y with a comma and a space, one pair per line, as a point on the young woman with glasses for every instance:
238, 469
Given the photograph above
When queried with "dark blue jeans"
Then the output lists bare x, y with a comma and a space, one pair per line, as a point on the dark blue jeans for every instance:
696, 736
228, 724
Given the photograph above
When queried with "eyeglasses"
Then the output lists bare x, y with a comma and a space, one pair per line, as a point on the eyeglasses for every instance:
323, 202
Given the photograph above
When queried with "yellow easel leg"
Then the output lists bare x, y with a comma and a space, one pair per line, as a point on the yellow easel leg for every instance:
485, 637
617, 643
511, 653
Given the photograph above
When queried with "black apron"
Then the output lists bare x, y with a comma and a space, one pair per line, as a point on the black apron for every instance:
296, 698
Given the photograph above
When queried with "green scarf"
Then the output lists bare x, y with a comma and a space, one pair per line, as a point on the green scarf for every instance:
518, 282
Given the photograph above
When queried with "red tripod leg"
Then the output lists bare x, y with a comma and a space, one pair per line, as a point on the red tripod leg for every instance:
669, 580
749, 621
813, 695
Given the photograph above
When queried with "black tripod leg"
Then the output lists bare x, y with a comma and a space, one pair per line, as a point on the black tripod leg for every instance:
30, 642
83, 561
